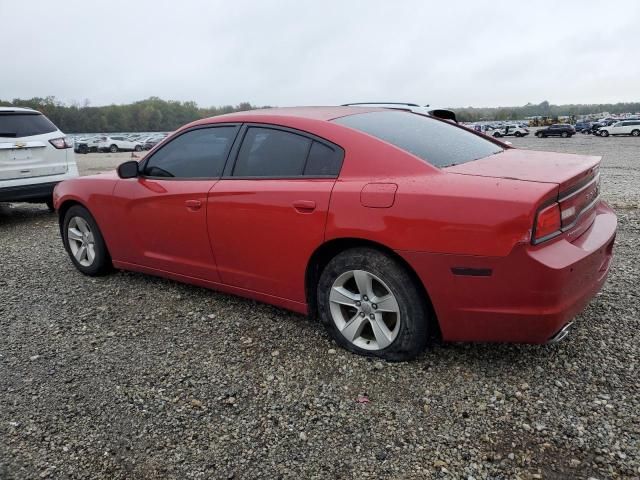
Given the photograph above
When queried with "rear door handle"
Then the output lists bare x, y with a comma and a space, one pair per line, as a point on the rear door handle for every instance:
193, 204
304, 206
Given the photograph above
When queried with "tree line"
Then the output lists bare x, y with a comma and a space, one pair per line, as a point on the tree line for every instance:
155, 114
543, 109
150, 115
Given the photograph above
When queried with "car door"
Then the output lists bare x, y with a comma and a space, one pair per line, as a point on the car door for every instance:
164, 211
267, 215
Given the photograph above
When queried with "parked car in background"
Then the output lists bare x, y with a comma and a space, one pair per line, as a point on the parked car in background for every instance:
34, 156
86, 145
583, 126
595, 127
509, 131
556, 130
388, 225
117, 144
626, 127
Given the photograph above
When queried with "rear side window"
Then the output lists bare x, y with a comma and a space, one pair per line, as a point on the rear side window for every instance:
434, 141
198, 153
323, 160
267, 152
14, 124
270, 152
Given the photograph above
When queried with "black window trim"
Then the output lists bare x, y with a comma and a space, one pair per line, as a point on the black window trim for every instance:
143, 164
227, 173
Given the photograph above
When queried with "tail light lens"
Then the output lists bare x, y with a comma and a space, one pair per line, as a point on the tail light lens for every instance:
60, 143
548, 223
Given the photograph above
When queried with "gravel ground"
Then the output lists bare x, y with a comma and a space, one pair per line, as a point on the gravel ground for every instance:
130, 376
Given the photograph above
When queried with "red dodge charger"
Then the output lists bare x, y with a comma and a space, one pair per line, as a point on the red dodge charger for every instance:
390, 226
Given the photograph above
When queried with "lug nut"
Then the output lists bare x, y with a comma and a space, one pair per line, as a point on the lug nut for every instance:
362, 314
358, 303
365, 298
375, 305
372, 316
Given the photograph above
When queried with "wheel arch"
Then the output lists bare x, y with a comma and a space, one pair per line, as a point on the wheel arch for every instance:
325, 252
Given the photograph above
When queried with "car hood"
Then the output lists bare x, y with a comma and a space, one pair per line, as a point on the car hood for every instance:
562, 169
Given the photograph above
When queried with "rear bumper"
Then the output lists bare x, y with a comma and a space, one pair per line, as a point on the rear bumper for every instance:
25, 193
526, 297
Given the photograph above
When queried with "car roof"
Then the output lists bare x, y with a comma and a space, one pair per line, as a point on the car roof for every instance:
312, 113
17, 109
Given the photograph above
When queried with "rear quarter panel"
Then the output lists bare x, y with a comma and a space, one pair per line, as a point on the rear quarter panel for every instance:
433, 211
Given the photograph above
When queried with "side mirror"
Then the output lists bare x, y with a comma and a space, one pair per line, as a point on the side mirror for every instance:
128, 169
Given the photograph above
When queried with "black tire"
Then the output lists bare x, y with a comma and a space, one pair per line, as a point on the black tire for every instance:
604, 133
635, 133
83, 149
540, 135
113, 149
497, 135
518, 134
138, 148
102, 262
564, 134
49, 202
412, 334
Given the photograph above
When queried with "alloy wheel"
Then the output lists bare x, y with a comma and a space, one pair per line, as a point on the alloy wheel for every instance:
81, 241
364, 310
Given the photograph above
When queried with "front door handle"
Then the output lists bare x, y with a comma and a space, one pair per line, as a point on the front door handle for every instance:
304, 206
193, 204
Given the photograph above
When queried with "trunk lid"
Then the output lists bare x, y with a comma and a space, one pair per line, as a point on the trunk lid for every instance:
574, 182
562, 169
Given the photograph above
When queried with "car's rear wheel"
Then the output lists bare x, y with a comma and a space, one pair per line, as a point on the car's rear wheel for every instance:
113, 148
540, 135
497, 135
49, 202
635, 133
604, 133
138, 148
564, 134
84, 242
518, 134
372, 306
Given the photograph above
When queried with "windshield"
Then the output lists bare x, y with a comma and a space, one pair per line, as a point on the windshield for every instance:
436, 142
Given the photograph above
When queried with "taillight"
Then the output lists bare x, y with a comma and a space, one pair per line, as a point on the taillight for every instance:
548, 223
62, 142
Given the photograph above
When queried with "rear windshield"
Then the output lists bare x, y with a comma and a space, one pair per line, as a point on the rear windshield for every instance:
14, 124
436, 142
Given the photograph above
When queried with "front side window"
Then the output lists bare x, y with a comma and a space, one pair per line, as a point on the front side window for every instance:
199, 153
437, 142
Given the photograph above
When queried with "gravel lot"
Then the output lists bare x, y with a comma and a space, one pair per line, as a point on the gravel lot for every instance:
130, 376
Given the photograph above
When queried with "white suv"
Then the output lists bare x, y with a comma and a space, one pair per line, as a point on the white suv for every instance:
117, 144
626, 127
509, 131
34, 156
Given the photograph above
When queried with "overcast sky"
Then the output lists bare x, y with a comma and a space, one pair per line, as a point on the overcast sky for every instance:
280, 52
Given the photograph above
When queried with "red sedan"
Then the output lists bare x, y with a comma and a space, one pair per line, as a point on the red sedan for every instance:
390, 226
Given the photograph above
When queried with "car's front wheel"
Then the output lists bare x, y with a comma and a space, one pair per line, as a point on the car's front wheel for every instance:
518, 134
372, 306
113, 148
564, 134
84, 242
635, 133
604, 133
138, 148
